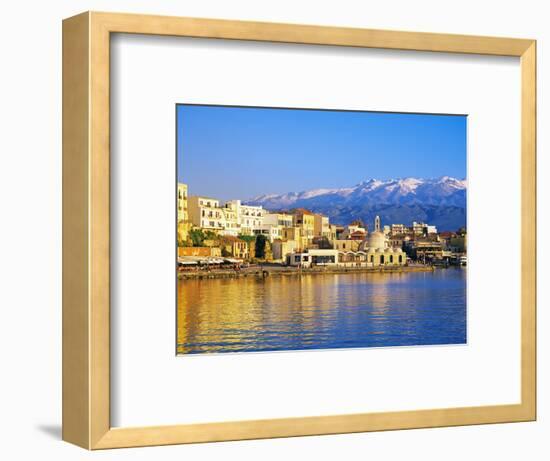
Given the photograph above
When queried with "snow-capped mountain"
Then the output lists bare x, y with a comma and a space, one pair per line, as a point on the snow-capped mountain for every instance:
440, 201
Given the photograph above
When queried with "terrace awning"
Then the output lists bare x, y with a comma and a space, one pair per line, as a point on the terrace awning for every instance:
233, 261
186, 262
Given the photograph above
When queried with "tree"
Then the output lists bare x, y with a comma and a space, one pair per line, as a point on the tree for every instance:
197, 237
247, 238
261, 243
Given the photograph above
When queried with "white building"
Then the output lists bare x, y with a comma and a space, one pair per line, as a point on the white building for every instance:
313, 257
273, 225
420, 228
250, 217
231, 221
205, 212
398, 229
272, 232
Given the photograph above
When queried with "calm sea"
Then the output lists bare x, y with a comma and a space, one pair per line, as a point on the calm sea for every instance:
322, 311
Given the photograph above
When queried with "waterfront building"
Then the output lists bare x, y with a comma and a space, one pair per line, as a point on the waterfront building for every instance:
282, 248
234, 247
251, 217
313, 257
353, 259
274, 224
295, 234
305, 220
182, 202
241, 249
333, 231
205, 212
396, 240
425, 250
230, 219
458, 243
279, 219
270, 231
321, 226
378, 250
183, 226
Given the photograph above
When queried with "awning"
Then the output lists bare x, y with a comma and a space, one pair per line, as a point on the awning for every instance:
186, 262
212, 261
233, 261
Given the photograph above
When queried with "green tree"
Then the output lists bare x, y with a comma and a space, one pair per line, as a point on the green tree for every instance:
247, 238
210, 235
197, 237
261, 243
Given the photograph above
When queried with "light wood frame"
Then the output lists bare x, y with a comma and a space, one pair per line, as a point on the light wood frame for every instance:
86, 258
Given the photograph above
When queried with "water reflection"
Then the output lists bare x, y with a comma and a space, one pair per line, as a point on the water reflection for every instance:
322, 311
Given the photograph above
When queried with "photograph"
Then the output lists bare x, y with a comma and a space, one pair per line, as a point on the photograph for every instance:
301, 229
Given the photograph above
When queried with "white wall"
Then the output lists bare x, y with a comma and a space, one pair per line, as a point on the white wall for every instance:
30, 176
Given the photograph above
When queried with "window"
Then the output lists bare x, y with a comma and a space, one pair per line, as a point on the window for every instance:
381, 259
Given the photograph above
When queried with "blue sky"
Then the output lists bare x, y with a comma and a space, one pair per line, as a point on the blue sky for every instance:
235, 152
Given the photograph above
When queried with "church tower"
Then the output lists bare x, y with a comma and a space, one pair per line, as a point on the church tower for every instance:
377, 224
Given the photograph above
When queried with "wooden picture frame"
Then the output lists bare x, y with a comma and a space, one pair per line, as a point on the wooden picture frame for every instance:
86, 231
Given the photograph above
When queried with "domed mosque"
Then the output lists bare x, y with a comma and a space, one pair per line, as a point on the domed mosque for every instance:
378, 250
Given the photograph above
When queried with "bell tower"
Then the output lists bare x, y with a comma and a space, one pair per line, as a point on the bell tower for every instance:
377, 224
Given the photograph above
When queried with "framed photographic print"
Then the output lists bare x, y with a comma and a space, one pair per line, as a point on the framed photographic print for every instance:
278, 230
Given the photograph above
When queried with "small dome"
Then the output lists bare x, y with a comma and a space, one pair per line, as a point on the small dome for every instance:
380, 250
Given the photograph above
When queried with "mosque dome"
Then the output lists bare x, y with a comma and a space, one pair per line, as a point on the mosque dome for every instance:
377, 240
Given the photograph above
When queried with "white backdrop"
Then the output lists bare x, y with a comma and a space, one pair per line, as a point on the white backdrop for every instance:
30, 293
150, 385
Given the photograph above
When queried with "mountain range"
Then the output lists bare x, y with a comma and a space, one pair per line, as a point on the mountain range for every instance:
440, 201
